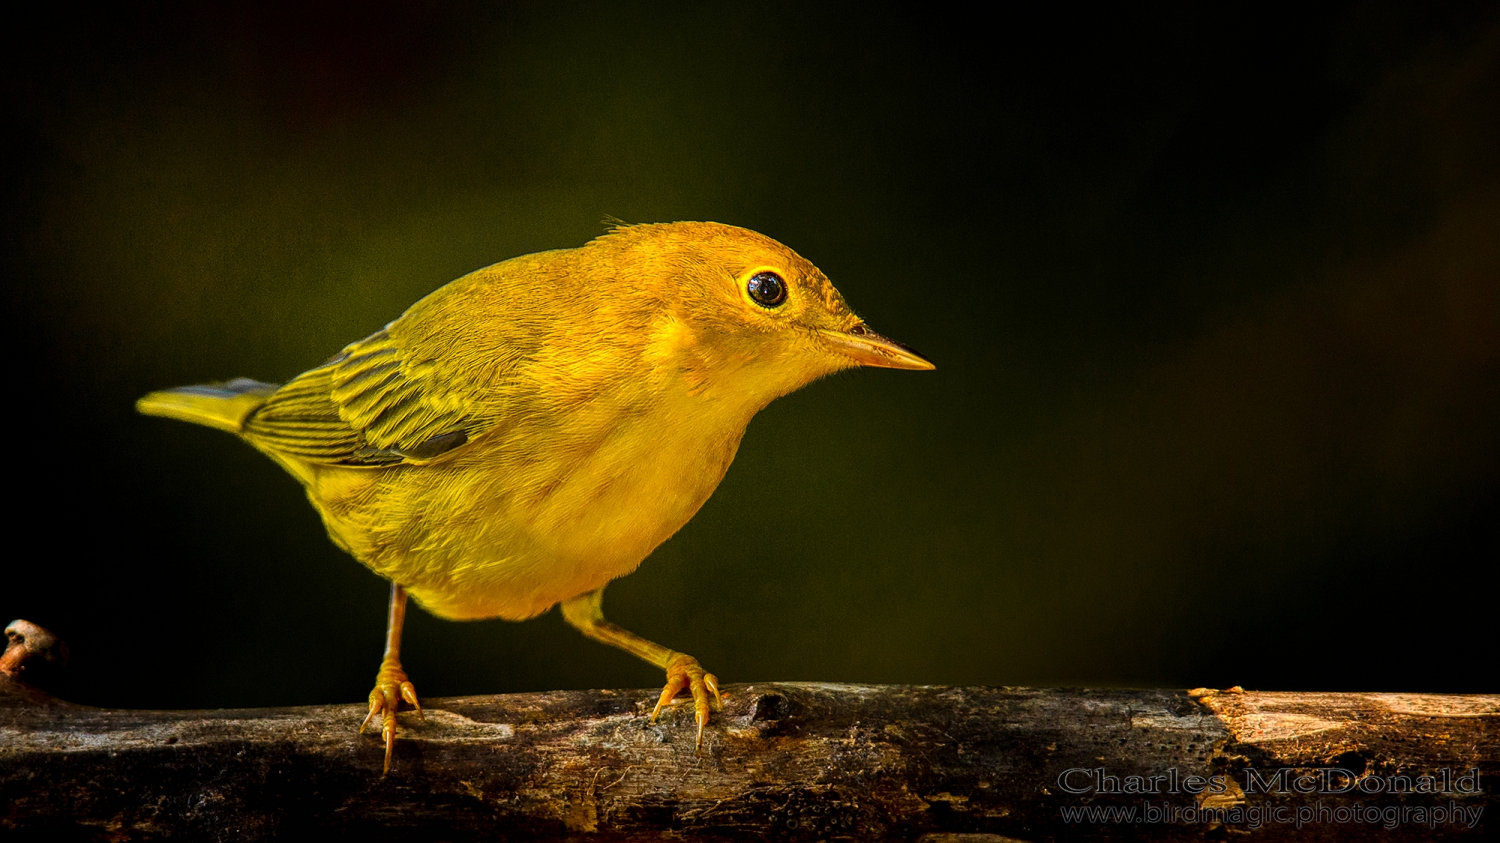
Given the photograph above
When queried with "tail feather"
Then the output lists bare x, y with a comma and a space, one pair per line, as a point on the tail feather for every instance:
220, 405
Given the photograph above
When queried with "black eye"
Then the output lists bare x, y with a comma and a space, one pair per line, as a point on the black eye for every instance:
767, 289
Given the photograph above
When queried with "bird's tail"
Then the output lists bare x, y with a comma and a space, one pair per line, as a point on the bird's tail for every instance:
221, 405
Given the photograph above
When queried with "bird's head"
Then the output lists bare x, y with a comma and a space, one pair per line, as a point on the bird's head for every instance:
738, 312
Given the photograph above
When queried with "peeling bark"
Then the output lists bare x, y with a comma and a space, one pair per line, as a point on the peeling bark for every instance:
795, 761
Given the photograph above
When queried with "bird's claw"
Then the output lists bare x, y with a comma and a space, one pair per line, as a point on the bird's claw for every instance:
391, 689
683, 671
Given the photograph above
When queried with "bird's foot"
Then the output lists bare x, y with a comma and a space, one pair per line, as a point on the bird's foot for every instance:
391, 689
683, 671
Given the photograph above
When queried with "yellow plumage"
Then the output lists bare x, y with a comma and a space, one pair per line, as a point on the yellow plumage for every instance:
533, 430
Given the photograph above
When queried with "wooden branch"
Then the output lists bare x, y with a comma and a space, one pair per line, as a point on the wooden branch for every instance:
795, 761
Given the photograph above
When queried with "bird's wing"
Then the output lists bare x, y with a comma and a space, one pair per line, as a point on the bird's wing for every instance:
376, 403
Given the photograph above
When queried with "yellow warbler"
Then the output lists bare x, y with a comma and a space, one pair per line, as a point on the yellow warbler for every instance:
533, 430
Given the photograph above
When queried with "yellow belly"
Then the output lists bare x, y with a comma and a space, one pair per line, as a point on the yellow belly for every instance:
519, 521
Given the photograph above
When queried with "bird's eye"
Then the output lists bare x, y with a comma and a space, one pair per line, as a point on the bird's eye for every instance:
767, 289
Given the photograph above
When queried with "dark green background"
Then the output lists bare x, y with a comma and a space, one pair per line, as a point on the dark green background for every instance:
1214, 296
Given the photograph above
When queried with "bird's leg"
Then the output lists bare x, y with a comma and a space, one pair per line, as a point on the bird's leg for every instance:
586, 613
391, 684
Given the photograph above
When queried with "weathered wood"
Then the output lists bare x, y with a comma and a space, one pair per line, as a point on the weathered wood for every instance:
797, 761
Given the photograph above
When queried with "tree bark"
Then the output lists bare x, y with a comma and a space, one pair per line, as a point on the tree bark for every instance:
795, 761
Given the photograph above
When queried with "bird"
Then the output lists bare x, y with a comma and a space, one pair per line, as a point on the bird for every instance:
533, 430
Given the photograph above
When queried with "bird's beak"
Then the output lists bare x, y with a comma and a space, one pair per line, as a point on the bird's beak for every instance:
871, 349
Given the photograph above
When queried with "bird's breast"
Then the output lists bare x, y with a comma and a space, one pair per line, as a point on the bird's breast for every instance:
541, 510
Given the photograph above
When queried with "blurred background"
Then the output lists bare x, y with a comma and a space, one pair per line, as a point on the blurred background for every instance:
1214, 296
